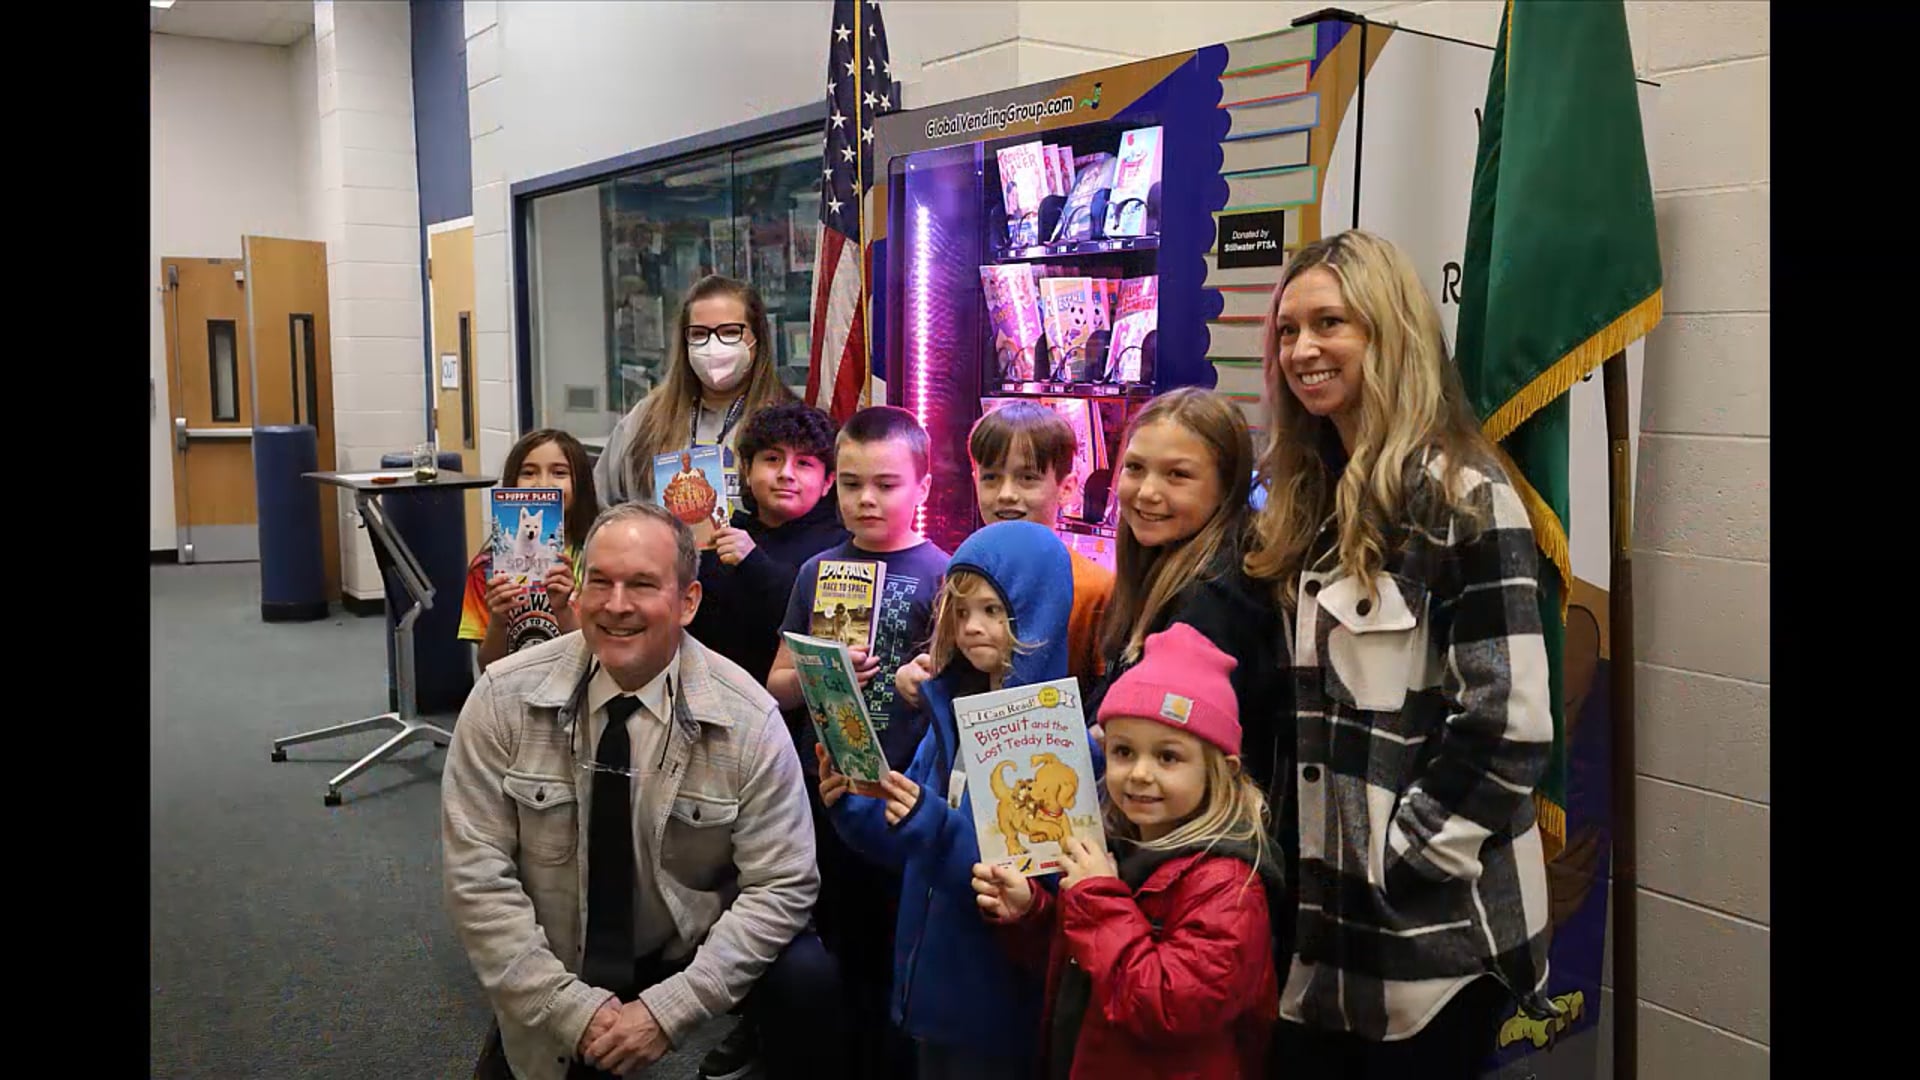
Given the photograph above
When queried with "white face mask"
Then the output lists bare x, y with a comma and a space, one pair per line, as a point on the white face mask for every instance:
721, 367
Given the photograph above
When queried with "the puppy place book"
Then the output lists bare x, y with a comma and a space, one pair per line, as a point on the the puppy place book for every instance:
528, 533
1030, 772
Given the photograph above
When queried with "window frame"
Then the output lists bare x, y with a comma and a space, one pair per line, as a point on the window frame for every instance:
774, 126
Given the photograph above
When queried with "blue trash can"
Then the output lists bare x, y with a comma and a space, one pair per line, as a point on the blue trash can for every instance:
293, 581
433, 524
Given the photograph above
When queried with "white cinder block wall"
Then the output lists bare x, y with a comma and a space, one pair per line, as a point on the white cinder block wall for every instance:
553, 86
370, 215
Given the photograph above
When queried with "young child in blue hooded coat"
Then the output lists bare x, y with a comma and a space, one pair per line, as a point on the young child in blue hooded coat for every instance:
1001, 620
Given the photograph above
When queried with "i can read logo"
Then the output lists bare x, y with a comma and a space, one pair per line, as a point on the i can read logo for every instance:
1049, 697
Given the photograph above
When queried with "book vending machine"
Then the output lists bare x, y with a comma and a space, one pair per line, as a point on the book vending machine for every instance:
1095, 240
1058, 243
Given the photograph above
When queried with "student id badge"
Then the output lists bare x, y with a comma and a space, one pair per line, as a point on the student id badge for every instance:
956, 787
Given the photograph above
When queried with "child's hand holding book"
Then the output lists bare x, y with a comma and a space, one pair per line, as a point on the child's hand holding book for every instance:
901, 795
1003, 895
1080, 860
864, 667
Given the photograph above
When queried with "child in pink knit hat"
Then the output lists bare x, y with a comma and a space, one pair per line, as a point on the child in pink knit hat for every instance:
1170, 945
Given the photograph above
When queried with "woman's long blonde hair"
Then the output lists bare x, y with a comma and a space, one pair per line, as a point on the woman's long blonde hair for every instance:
1411, 401
666, 415
1233, 810
1146, 579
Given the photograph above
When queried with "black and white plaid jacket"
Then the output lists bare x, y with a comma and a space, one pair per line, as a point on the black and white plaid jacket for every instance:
1423, 728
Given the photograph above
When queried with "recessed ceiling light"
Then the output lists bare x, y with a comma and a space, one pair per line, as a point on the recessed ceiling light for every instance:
161, 4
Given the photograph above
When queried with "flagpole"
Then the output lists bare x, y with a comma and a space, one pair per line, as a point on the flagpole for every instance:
1626, 876
860, 207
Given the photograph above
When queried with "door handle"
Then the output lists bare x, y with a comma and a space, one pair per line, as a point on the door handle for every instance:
180, 433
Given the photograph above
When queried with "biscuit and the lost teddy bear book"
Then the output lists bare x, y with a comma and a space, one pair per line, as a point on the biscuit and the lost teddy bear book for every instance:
1030, 772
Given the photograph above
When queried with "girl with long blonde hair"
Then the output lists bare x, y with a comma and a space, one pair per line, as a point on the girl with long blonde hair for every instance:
1403, 557
723, 369
1160, 963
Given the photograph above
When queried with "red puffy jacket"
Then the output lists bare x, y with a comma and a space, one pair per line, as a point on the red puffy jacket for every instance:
1183, 983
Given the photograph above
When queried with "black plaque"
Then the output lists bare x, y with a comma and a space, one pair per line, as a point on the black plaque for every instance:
1256, 238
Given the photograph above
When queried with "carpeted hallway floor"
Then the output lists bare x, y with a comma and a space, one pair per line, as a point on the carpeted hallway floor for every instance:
290, 939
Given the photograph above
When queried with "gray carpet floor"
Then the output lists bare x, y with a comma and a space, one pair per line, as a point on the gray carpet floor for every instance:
290, 939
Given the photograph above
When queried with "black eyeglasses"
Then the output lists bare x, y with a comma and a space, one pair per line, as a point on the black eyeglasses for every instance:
728, 333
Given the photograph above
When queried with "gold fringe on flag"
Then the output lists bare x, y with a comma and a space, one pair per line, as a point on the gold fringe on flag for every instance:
1577, 364
1549, 532
1553, 825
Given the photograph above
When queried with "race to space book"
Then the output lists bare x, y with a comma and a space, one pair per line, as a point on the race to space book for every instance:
846, 601
838, 710
527, 532
693, 484
1030, 773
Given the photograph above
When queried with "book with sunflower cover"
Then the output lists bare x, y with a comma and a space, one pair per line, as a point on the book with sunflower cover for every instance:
838, 710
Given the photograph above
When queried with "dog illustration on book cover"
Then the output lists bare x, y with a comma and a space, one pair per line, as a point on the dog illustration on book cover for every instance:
1034, 809
526, 537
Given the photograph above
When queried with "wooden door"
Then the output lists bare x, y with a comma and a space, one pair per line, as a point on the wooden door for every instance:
293, 359
457, 399
210, 382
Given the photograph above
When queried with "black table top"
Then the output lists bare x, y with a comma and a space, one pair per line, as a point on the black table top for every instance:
446, 481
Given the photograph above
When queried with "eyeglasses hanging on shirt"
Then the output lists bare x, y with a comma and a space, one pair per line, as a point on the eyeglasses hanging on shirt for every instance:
586, 764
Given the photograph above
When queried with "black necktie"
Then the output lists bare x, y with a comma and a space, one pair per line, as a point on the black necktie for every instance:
610, 874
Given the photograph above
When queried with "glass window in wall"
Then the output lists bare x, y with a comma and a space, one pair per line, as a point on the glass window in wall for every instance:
608, 264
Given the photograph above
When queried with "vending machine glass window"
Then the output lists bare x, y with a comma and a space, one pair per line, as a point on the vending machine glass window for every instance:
1022, 269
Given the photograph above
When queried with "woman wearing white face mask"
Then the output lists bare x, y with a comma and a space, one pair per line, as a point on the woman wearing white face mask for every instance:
722, 371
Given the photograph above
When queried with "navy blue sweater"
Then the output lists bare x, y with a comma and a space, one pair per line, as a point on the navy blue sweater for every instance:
741, 606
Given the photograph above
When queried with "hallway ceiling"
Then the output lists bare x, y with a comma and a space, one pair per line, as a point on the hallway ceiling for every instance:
262, 22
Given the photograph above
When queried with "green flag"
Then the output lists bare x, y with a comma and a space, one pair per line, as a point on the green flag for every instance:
1562, 270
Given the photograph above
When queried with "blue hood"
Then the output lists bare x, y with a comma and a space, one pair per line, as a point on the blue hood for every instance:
1030, 568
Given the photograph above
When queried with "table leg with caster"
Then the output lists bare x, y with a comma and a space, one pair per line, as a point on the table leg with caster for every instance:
384, 720
411, 732
409, 729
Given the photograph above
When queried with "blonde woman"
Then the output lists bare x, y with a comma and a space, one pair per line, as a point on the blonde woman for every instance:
723, 370
1405, 569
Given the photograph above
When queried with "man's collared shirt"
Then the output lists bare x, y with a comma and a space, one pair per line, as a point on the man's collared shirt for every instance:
648, 730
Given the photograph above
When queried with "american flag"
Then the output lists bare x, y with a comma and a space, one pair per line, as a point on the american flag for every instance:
860, 86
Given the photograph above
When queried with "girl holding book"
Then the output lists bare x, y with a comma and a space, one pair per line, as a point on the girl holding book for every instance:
721, 370
500, 617
1000, 621
1159, 964
1404, 560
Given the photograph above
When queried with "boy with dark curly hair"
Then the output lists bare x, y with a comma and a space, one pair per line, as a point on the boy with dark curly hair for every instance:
786, 456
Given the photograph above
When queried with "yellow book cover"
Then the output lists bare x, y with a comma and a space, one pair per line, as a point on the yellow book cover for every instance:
846, 598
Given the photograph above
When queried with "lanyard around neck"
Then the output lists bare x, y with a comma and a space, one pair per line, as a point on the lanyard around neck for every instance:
726, 425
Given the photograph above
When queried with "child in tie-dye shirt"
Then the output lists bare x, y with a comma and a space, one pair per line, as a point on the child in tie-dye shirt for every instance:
500, 617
